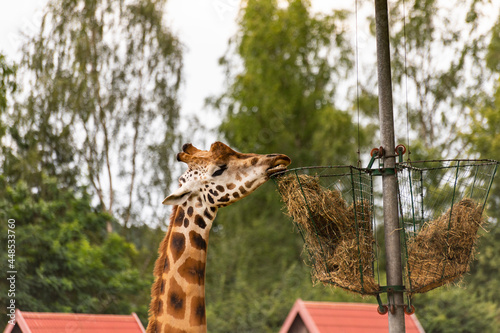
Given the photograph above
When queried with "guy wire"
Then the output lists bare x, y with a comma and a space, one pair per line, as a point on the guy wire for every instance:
357, 81
406, 85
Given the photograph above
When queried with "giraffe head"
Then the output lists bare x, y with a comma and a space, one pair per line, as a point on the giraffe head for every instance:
221, 176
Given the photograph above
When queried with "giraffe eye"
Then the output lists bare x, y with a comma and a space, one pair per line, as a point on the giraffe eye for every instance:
219, 172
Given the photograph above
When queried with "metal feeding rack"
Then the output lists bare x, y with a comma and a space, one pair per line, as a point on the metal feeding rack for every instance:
440, 205
333, 209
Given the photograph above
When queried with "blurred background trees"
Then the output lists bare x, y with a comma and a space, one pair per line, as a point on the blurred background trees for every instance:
283, 69
65, 260
281, 98
7, 82
88, 147
101, 81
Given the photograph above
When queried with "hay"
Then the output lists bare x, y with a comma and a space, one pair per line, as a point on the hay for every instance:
340, 250
339, 238
350, 265
443, 248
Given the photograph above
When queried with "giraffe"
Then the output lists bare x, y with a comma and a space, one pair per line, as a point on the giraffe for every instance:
214, 179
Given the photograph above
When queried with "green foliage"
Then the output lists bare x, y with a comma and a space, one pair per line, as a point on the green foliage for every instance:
279, 100
99, 108
453, 309
437, 69
482, 280
281, 97
484, 140
7, 85
65, 260
477, 307
7, 82
493, 55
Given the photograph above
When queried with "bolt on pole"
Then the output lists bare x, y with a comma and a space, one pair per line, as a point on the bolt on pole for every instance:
389, 182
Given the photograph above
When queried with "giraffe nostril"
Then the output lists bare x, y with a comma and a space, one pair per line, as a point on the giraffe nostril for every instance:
282, 159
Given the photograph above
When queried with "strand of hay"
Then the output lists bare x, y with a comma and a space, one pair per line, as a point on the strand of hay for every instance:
336, 247
443, 249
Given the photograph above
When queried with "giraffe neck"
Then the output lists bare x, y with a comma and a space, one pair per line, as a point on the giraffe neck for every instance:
178, 293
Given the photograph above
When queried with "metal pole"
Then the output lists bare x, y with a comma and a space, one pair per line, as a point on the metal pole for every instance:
389, 181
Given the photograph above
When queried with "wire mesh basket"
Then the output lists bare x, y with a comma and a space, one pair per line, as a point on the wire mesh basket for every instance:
333, 209
441, 205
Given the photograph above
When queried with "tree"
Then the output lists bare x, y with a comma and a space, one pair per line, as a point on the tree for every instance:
101, 108
65, 260
453, 309
483, 137
438, 70
291, 65
7, 86
7, 82
452, 113
282, 69
280, 98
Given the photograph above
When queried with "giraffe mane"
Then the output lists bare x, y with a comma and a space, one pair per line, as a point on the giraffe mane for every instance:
159, 268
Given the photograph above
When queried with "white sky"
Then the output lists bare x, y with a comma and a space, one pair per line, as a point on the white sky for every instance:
204, 27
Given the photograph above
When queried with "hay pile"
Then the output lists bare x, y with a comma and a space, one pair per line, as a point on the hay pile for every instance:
341, 254
444, 247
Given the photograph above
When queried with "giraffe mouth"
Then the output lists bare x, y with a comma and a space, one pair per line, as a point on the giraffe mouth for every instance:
278, 165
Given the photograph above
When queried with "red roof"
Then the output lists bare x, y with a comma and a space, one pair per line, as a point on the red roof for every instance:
46, 322
323, 317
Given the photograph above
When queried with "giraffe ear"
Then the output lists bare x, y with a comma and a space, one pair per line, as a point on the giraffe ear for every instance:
178, 197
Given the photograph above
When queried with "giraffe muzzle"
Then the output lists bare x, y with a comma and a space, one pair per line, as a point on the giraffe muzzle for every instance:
279, 163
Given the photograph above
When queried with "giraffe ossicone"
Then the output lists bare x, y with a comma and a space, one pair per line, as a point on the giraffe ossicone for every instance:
215, 178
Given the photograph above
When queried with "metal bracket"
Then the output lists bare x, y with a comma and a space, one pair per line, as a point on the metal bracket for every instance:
400, 150
383, 171
379, 153
391, 304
